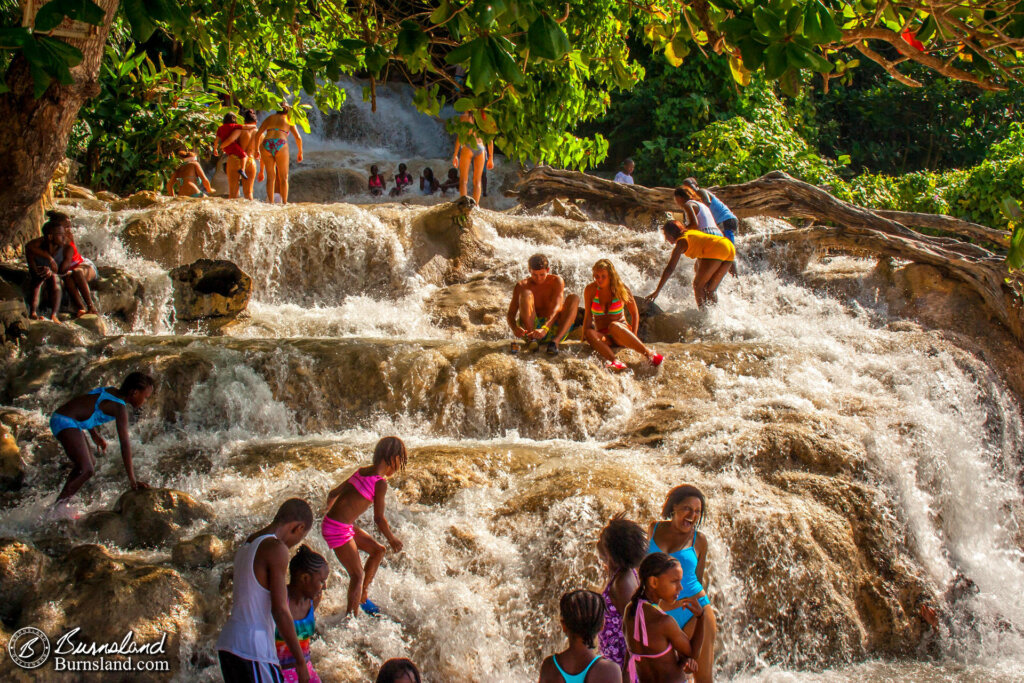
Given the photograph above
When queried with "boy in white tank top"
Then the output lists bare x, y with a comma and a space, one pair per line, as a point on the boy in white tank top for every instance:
246, 643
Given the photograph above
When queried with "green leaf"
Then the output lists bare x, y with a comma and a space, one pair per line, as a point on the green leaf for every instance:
309, 81
140, 19
441, 13
459, 55
505, 63
13, 37
547, 39
411, 39
464, 104
767, 22
829, 29
52, 13
676, 50
376, 58
481, 69
794, 20
775, 61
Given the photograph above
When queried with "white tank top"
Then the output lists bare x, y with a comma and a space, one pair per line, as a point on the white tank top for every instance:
249, 631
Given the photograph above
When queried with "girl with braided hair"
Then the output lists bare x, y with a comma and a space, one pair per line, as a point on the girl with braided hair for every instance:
308, 572
621, 546
658, 650
582, 619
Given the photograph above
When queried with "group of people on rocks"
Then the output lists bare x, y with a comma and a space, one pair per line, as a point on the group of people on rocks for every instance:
252, 152
429, 184
53, 260
542, 313
652, 621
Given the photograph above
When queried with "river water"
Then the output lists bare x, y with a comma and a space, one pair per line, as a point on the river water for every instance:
851, 461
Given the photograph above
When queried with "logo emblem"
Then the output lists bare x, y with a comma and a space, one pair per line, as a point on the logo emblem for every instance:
29, 647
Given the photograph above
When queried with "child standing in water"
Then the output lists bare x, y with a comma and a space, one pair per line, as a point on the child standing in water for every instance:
308, 575
344, 506
376, 182
403, 179
657, 648
622, 547
582, 618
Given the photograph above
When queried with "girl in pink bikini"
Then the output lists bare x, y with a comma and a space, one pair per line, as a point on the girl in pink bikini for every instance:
344, 506
657, 649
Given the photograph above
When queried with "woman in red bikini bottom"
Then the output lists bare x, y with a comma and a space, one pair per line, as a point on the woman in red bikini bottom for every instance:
606, 302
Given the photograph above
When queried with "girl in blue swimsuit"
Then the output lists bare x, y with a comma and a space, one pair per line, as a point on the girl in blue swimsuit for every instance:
582, 618
86, 413
679, 536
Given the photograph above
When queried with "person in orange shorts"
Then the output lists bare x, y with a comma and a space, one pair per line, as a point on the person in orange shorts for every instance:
714, 256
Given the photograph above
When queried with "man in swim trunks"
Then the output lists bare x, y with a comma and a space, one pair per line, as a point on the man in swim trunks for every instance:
540, 312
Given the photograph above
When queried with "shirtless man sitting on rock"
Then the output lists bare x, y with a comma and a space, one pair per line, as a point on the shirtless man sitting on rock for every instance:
540, 312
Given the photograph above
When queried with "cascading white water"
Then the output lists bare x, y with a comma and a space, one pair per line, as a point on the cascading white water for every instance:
497, 526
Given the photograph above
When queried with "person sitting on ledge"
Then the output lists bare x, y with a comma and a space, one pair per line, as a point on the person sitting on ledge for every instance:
453, 181
189, 173
539, 311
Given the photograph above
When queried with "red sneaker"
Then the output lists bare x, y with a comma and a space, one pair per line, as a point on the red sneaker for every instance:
616, 365
656, 359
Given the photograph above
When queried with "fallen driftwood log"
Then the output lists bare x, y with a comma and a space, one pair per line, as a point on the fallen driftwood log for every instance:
840, 226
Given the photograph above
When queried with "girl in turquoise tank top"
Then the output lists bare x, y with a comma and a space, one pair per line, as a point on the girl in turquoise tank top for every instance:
308, 572
679, 535
582, 614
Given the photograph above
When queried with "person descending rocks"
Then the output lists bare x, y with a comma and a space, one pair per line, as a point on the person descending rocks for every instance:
657, 649
86, 413
190, 173
307, 576
679, 535
724, 218
714, 256
621, 546
345, 503
607, 301
582, 617
693, 212
260, 604
540, 312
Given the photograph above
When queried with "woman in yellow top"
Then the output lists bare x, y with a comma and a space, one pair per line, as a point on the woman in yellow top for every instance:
607, 301
714, 257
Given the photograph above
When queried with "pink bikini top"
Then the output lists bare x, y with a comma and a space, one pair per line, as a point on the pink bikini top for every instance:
365, 485
640, 634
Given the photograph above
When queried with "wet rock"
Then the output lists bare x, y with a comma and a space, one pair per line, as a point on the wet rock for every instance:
77, 192
442, 471
93, 324
22, 569
210, 290
139, 200
323, 185
561, 208
107, 596
83, 203
448, 231
477, 307
107, 196
147, 518
204, 550
12, 467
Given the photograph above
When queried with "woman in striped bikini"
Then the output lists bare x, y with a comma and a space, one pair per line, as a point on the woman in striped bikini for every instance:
607, 301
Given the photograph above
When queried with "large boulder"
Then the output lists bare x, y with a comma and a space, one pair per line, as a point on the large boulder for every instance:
105, 595
148, 518
210, 289
324, 185
205, 550
447, 244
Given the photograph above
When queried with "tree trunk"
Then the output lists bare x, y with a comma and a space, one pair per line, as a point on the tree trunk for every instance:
848, 227
35, 133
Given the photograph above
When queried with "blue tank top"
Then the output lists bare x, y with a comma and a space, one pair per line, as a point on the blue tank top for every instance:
719, 210
688, 559
574, 678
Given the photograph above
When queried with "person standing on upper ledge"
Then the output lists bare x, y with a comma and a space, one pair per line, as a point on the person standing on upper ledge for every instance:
625, 176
